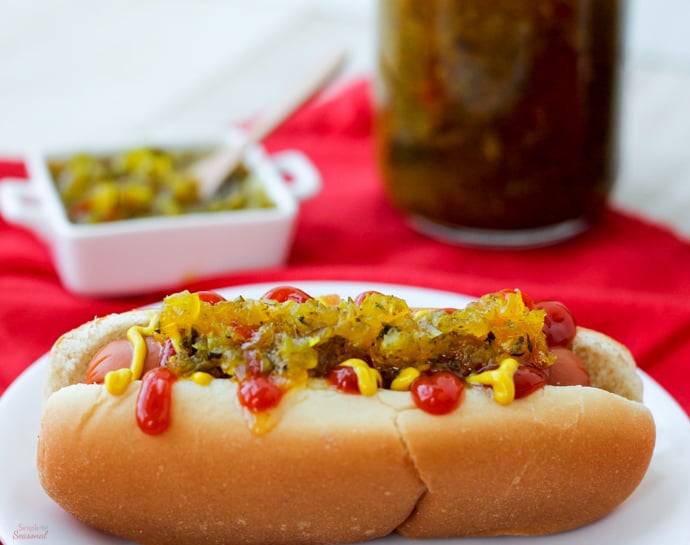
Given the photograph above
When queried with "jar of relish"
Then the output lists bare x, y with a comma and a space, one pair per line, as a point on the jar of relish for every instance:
497, 120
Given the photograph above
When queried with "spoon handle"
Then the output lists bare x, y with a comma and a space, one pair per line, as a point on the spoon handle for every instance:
307, 88
212, 170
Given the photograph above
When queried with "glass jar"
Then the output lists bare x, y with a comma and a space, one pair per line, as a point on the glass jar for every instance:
497, 120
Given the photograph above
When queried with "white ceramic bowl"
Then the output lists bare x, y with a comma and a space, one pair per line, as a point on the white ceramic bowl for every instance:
136, 256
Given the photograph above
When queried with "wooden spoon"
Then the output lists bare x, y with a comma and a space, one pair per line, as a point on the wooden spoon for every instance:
213, 169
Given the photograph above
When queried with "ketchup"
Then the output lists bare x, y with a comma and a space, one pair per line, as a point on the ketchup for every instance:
437, 393
154, 401
258, 393
344, 379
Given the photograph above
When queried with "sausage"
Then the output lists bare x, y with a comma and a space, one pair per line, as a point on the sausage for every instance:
568, 369
118, 355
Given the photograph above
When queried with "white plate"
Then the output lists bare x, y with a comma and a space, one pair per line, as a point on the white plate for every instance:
658, 512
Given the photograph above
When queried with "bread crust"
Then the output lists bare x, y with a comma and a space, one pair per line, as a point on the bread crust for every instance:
340, 468
557, 460
333, 470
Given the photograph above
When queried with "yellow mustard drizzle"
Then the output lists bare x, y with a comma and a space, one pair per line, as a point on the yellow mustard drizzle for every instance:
201, 378
405, 378
260, 423
116, 382
368, 378
501, 380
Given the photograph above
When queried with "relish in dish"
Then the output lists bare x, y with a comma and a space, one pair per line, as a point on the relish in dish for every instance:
145, 182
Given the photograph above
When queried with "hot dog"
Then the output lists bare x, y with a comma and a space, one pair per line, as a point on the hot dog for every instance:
299, 419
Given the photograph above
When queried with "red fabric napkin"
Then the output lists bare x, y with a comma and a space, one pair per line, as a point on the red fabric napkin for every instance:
626, 277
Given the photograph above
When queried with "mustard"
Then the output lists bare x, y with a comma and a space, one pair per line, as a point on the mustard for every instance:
501, 380
405, 378
135, 334
116, 382
368, 378
201, 378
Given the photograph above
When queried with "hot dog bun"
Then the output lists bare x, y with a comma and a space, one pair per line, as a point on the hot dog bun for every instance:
341, 468
70, 355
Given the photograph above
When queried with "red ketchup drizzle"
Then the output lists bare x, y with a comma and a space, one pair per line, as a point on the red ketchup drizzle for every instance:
437, 393
154, 401
258, 393
344, 379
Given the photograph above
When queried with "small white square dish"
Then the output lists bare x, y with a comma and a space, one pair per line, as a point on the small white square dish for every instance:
158, 253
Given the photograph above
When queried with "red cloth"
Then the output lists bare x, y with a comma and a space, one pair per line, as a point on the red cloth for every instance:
626, 277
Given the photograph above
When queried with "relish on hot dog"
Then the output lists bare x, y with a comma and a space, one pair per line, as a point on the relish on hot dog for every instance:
503, 417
